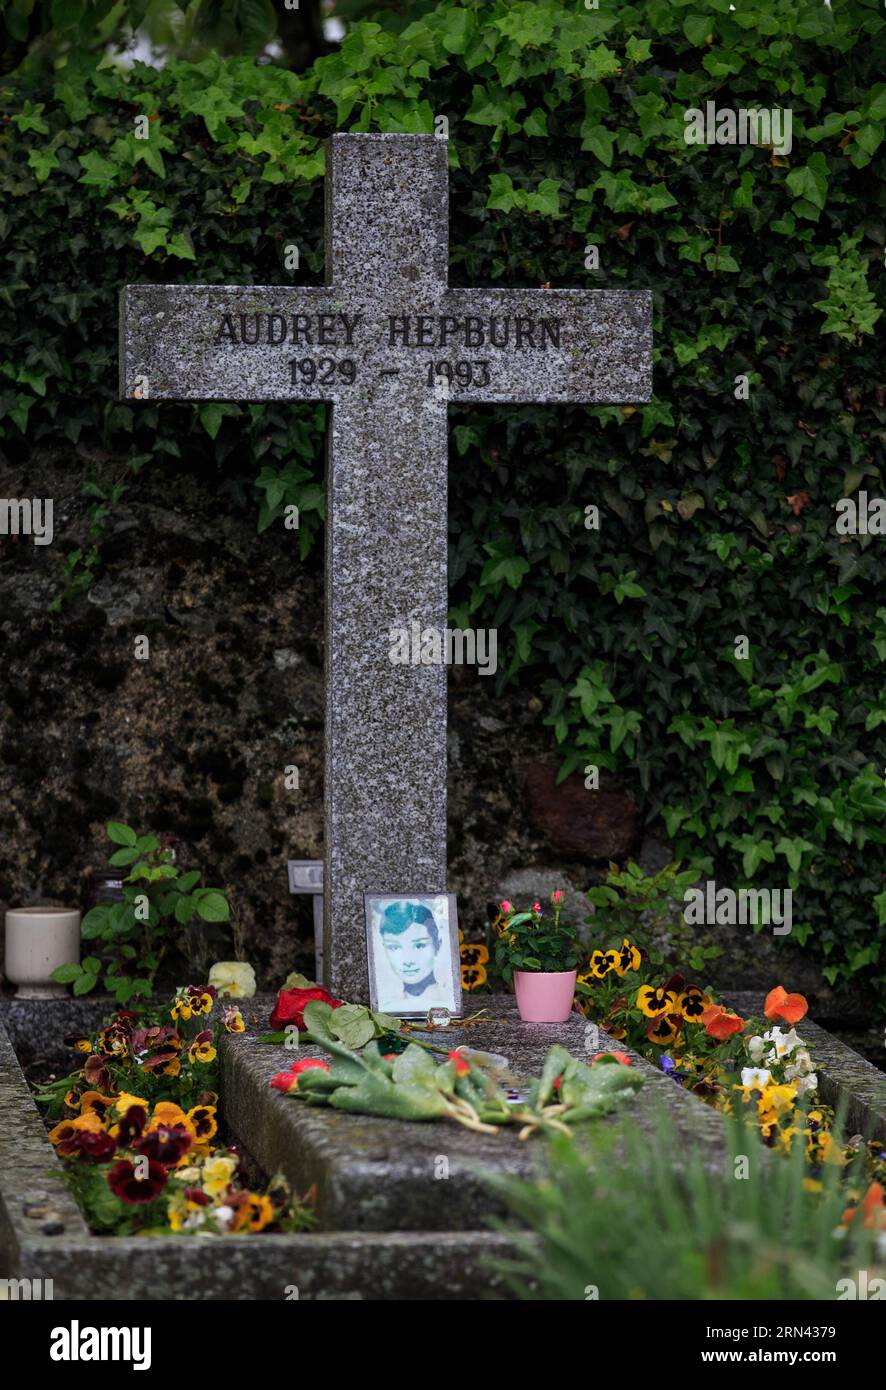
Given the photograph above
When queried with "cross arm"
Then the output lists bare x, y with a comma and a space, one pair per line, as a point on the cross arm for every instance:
227, 343
590, 346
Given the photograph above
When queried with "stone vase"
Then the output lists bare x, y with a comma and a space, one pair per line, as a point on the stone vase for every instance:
38, 940
544, 996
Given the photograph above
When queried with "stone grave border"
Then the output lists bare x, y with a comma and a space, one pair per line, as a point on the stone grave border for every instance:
326, 1265
322, 1265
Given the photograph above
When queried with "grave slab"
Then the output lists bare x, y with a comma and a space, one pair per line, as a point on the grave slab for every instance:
58, 1245
375, 1174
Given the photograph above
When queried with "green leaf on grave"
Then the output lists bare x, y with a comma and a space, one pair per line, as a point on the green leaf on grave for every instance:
352, 1025
555, 1063
416, 1066
376, 1095
296, 981
316, 1016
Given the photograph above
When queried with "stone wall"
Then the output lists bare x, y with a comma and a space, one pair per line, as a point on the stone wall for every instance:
196, 740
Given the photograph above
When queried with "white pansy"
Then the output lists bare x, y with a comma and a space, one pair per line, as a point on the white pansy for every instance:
756, 1047
807, 1083
233, 979
802, 1063
783, 1043
755, 1076
224, 1216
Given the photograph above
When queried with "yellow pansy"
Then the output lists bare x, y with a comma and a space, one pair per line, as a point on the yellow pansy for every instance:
217, 1175
260, 1210
125, 1101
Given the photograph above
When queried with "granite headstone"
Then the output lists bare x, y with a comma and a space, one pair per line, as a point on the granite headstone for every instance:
388, 343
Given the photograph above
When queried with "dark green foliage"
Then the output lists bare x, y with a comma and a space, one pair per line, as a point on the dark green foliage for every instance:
716, 513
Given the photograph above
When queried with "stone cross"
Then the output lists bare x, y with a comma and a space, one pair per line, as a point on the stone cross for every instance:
388, 343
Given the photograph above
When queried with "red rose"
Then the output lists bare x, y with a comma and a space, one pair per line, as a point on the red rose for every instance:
290, 1006
287, 1081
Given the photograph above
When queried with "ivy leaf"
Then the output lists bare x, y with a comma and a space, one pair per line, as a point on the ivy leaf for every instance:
600, 142
42, 162
809, 184
98, 171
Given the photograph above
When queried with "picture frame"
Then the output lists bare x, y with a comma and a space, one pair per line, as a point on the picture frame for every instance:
412, 953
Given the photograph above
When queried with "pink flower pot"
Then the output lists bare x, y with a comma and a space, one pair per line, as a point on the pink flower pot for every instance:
544, 996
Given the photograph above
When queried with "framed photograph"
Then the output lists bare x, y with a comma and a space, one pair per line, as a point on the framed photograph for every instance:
412, 949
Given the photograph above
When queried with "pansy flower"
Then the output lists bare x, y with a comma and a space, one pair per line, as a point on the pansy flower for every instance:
232, 1021
126, 1099
129, 1126
473, 976
655, 1000
201, 1049
218, 1174
601, 962
94, 1100
474, 953
692, 1003
165, 1144
719, 1023
96, 1074
203, 1122
202, 998
113, 1041
628, 958
125, 1181
755, 1077
789, 1007
664, 1029
166, 1112
96, 1147
65, 1135
259, 1211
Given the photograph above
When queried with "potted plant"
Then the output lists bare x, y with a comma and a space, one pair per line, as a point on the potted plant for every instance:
540, 954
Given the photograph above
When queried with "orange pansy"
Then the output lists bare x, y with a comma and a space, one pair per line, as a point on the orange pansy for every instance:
719, 1023
789, 1007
